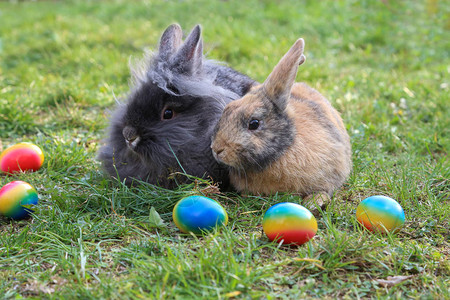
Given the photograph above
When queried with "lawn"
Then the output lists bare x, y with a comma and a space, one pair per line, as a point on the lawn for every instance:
383, 64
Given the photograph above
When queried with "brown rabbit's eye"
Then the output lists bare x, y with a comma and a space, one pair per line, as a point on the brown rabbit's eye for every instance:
253, 124
168, 114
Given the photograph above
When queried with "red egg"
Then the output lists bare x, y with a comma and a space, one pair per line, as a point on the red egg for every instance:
21, 157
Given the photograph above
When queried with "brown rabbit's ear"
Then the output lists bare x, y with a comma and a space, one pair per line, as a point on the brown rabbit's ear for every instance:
188, 58
279, 83
170, 41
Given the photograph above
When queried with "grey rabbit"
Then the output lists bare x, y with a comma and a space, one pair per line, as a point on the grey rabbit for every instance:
165, 125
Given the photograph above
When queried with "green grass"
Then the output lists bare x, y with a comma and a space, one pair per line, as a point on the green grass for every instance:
383, 64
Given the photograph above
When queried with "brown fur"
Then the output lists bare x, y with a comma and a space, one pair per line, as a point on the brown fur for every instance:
319, 157
305, 166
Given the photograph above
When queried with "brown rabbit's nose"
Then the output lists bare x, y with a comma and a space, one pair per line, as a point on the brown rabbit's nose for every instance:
217, 153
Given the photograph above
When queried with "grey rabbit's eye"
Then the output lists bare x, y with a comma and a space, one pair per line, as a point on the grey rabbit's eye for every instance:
253, 124
168, 114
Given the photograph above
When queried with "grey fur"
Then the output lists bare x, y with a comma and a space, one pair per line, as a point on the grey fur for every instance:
180, 78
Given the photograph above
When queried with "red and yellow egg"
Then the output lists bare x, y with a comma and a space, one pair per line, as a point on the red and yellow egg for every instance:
21, 157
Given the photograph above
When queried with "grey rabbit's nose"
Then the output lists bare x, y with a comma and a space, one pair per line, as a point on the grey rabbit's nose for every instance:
131, 136
131, 139
132, 142
129, 133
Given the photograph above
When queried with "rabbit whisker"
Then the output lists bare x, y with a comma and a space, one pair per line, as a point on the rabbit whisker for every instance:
241, 168
254, 160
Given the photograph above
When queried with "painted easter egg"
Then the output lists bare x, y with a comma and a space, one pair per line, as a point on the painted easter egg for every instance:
197, 213
380, 213
290, 222
17, 199
21, 157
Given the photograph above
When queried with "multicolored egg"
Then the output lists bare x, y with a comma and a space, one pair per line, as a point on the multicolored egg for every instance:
290, 222
380, 213
21, 157
17, 199
197, 214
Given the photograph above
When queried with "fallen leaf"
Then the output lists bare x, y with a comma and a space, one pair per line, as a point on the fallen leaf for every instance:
33, 287
155, 219
233, 294
392, 280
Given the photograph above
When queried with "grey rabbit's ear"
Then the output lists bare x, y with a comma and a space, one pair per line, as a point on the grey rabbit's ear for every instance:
188, 58
279, 83
170, 41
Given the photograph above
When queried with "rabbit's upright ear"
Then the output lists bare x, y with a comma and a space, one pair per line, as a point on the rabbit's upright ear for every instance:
188, 59
170, 41
279, 83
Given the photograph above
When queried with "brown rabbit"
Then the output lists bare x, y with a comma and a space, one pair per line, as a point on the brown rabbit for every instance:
283, 136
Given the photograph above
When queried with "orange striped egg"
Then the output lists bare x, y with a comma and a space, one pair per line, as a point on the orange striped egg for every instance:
21, 157
380, 213
290, 222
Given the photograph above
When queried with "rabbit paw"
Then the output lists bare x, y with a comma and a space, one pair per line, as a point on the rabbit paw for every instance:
316, 202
